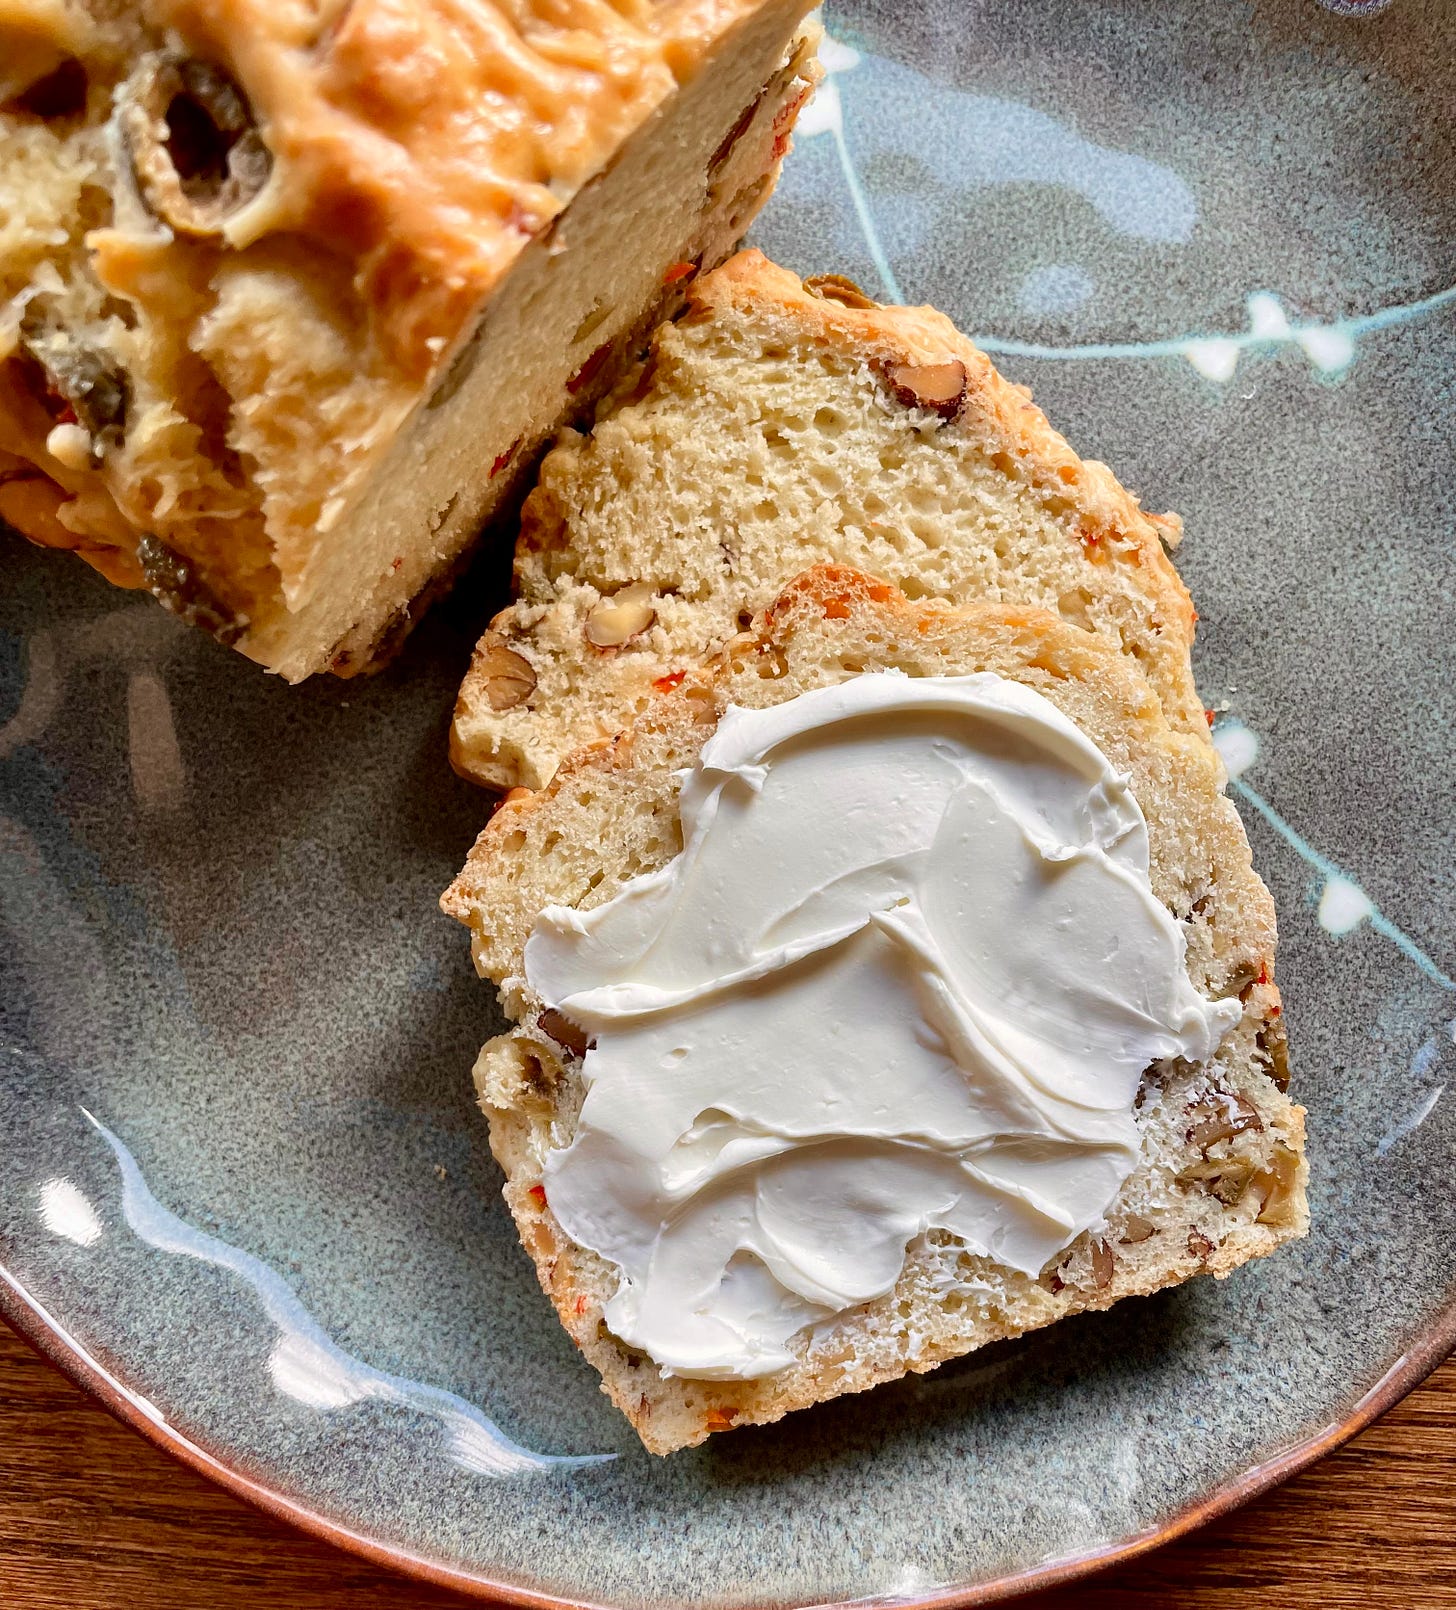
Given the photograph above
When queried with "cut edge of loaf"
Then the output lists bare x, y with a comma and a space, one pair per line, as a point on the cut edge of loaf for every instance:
469, 452
611, 814
627, 505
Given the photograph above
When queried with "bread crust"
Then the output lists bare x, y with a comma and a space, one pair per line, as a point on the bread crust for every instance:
610, 812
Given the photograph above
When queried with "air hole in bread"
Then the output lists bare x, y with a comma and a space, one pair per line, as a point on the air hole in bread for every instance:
829, 421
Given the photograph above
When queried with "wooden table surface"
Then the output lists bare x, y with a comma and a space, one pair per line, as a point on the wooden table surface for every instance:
94, 1518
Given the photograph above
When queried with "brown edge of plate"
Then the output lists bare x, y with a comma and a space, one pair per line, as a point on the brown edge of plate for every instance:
47, 1337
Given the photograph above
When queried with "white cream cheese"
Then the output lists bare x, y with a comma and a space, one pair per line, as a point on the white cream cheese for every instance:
906, 972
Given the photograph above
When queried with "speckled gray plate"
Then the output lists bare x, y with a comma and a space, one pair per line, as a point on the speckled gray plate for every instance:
243, 1191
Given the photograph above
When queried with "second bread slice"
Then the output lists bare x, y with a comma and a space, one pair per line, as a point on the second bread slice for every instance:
776, 426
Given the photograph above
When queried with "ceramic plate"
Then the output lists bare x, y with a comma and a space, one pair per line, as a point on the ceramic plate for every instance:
243, 1190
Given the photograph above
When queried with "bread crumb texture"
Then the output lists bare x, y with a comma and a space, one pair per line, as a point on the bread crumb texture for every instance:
781, 424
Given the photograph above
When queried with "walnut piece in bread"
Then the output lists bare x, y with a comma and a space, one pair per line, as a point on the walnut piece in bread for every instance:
293, 293
1221, 1176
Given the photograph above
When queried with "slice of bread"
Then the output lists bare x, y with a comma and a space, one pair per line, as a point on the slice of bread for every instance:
1221, 1177
779, 425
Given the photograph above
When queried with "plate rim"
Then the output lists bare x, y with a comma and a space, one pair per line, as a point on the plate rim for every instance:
35, 1325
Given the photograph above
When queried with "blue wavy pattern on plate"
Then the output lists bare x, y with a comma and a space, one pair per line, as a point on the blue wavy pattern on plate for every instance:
242, 1170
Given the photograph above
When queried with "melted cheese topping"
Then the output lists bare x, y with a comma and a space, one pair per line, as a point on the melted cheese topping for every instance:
430, 139
907, 972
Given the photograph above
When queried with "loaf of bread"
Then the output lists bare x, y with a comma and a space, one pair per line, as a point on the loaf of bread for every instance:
774, 426
291, 293
1220, 1177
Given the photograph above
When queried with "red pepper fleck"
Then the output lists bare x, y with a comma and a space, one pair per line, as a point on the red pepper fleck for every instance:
537, 1193
679, 271
581, 1304
394, 565
665, 684
503, 459
1208, 717
589, 370
789, 111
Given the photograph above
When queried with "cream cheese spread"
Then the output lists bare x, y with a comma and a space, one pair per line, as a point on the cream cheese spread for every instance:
906, 972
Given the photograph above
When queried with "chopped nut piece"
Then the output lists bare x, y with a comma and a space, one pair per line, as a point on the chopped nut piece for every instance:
1137, 1229
70, 445
621, 617
508, 679
1221, 1117
1102, 1265
1274, 1043
1230, 1185
557, 1026
189, 135
1276, 1185
1226, 1178
838, 288
940, 387
1199, 1246
703, 705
